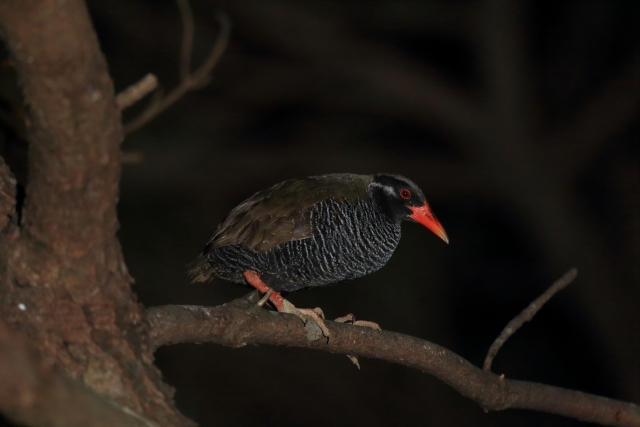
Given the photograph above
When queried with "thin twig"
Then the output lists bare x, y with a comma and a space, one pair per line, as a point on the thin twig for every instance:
136, 91
194, 80
526, 315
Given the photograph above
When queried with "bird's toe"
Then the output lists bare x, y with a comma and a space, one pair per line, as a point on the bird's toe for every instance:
304, 314
318, 316
351, 319
367, 324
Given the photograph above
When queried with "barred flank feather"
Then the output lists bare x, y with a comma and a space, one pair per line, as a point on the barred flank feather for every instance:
351, 239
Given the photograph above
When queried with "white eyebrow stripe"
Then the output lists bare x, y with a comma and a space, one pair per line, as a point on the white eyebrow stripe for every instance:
387, 189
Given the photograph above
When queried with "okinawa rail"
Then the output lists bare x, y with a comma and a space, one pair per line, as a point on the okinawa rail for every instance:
313, 231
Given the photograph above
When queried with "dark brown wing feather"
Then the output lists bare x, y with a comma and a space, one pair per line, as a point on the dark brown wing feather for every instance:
281, 213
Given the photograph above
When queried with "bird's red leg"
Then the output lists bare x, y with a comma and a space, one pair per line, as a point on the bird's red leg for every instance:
253, 278
284, 306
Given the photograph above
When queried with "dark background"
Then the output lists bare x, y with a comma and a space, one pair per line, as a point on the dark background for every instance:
519, 120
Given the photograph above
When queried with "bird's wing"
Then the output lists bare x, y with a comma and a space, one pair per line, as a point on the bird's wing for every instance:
281, 213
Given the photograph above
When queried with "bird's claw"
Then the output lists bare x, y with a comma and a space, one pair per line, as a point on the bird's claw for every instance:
367, 324
305, 313
354, 360
265, 298
351, 319
318, 316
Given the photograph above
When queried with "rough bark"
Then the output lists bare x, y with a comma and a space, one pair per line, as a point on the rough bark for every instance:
33, 394
63, 281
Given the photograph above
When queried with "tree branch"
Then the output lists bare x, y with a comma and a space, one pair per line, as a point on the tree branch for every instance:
63, 281
241, 322
189, 81
400, 85
526, 315
136, 91
73, 142
188, 30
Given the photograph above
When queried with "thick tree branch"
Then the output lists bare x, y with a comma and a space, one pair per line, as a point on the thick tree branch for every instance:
74, 141
63, 281
241, 322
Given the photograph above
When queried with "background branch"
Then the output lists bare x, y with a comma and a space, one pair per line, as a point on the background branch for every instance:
586, 134
189, 81
241, 322
136, 91
188, 29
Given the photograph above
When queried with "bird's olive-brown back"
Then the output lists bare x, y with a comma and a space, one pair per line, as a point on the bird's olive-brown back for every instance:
281, 213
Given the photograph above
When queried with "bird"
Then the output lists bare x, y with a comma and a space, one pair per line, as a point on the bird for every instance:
315, 231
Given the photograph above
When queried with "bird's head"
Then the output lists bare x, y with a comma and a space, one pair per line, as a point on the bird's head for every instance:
401, 200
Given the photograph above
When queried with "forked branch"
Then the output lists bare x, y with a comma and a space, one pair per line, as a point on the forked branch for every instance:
188, 80
243, 322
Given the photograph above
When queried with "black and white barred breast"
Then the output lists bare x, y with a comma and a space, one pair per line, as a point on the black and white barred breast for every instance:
350, 239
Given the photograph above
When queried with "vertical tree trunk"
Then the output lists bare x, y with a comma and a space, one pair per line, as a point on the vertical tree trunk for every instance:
63, 280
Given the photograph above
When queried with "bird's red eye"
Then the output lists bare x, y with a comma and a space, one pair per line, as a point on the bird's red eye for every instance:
405, 194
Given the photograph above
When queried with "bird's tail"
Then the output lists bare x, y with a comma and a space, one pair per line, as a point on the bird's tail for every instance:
200, 269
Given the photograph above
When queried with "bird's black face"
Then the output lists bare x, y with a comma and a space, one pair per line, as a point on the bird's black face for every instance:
400, 199
394, 194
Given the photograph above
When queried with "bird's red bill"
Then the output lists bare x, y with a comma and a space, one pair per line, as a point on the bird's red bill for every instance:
424, 216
